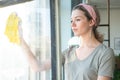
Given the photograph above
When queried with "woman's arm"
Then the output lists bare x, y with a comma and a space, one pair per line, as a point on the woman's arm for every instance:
34, 63
104, 78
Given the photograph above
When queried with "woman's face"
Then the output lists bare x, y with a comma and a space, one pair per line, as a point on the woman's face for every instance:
79, 22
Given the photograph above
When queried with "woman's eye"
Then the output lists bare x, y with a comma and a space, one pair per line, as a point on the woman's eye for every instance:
77, 19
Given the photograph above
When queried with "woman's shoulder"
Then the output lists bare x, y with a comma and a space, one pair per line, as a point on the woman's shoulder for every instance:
69, 54
105, 50
69, 50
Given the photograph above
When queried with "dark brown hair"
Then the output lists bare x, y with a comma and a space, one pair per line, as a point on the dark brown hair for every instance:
97, 35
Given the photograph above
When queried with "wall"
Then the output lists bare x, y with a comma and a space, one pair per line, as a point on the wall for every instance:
114, 25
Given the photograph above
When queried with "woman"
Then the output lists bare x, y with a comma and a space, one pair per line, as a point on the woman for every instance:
92, 60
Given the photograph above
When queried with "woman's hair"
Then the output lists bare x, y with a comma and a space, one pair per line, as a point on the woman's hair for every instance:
97, 35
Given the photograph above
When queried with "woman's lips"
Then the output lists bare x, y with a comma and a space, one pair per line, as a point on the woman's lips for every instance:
74, 30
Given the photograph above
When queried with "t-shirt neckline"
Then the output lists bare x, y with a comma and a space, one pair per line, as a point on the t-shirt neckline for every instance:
93, 52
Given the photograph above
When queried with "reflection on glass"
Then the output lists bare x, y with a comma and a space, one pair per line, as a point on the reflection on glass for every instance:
36, 32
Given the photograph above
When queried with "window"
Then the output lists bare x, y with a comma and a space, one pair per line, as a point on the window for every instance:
36, 31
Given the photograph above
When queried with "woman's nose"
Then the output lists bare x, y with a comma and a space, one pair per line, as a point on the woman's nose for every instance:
73, 24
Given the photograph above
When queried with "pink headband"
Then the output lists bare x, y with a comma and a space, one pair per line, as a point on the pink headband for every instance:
91, 11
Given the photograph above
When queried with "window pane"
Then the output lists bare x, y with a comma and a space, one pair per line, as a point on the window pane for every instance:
35, 22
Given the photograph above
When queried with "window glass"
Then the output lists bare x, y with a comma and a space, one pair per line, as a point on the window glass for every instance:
35, 22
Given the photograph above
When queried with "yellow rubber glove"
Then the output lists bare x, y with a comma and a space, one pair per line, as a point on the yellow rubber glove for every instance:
11, 30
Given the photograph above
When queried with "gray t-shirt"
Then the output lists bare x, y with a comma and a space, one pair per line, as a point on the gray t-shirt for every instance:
99, 63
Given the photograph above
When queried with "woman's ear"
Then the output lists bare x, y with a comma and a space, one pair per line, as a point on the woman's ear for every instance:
92, 23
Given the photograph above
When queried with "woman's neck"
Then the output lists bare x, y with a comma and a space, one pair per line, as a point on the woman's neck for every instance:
89, 42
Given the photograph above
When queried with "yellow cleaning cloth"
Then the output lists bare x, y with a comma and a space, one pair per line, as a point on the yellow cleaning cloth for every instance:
11, 30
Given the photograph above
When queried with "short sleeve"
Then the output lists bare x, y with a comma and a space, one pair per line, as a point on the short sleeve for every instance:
107, 63
68, 54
